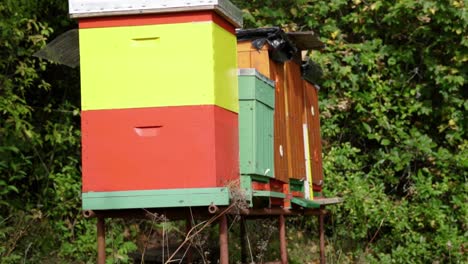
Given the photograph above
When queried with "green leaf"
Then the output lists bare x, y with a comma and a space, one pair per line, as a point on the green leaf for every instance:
385, 142
367, 127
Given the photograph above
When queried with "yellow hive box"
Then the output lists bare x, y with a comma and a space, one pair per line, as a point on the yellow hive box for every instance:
158, 65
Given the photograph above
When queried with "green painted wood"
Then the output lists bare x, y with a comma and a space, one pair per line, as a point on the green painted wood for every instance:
246, 187
246, 137
260, 178
328, 201
296, 185
256, 126
268, 194
155, 198
255, 86
305, 203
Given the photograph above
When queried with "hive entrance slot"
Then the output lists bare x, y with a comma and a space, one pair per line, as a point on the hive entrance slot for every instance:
145, 41
147, 131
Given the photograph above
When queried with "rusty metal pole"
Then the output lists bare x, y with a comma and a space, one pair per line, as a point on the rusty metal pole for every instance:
223, 240
242, 240
101, 240
282, 237
322, 237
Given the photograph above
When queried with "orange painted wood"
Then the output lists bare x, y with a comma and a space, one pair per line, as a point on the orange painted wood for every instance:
278, 186
250, 57
154, 19
260, 186
294, 118
315, 140
281, 146
287, 200
282, 187
159, 148
297, 194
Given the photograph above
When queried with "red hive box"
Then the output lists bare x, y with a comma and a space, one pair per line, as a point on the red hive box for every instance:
159, 148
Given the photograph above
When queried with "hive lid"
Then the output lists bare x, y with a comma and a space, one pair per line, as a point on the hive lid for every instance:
97, 8
306, 40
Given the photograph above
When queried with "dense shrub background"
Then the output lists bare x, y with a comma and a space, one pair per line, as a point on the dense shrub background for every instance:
393, 105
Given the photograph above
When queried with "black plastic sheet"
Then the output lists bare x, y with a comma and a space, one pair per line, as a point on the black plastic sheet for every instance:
311, 71
284, 45
282, 48
62, 50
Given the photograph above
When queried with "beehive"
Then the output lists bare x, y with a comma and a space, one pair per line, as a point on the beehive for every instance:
297, 146
159, 98
256, 102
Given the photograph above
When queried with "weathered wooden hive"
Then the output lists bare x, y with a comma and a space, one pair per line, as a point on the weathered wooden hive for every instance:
297, 142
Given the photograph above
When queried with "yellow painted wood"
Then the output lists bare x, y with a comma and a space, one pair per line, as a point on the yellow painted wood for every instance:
225, 59
158, 65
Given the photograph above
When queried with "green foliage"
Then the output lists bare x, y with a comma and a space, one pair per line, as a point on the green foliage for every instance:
393, 122
40, 215
393, 106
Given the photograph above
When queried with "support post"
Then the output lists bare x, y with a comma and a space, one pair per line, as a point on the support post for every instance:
282, 237
101, 240
322, 237
223, 240
243, 240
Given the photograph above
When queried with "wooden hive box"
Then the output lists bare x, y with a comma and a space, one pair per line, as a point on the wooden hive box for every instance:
159, 100
256, 102
297, 143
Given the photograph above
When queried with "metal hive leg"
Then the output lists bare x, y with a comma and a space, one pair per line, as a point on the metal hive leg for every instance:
223, 240
101, 239
282, 237
322, 237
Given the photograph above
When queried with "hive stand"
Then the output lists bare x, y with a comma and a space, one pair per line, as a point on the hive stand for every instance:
214, 214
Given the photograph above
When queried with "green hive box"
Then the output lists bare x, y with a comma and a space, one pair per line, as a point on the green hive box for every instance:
256, 127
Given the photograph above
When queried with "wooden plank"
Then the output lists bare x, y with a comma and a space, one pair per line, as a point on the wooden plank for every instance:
306, 203
327, 201
155, 19
250, 57
294, 120
243, 59
313, 123
155, 198
246, 188
306, 40
268, 194
281, 147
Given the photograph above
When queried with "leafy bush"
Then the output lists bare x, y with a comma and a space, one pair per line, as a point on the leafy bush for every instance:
393, 104
393, 125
